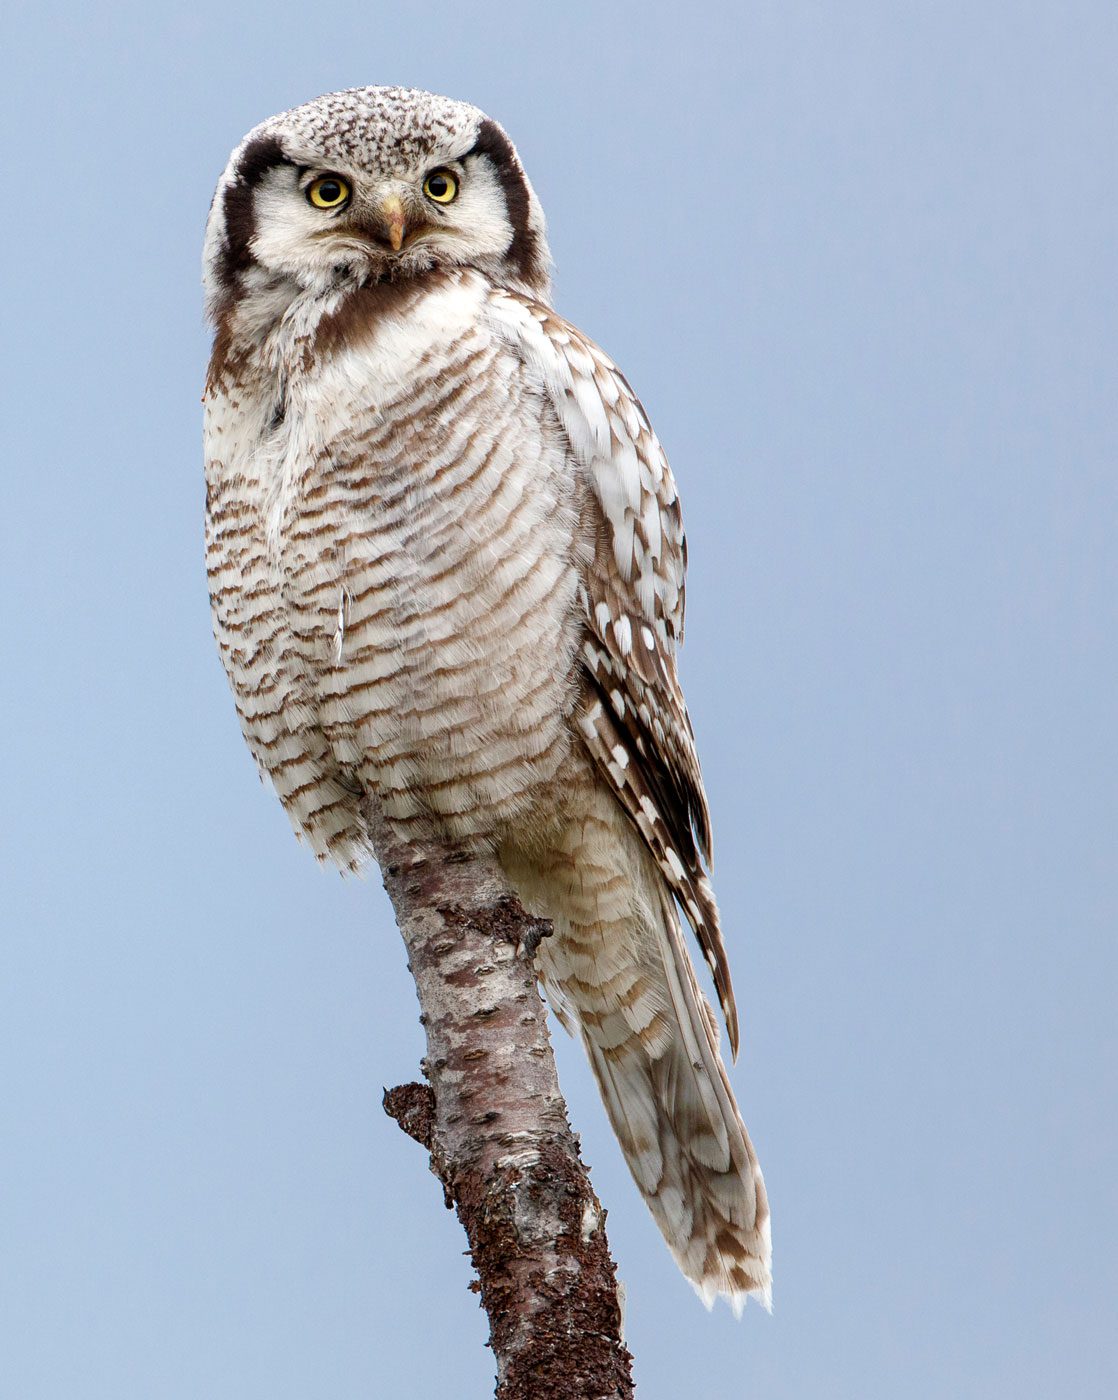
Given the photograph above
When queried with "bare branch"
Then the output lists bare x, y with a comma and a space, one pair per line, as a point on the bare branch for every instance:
495, 1124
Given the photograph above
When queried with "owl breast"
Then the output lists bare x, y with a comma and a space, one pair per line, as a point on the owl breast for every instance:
397, 583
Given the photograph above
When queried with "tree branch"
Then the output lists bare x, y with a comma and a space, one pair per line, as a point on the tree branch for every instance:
495, 1124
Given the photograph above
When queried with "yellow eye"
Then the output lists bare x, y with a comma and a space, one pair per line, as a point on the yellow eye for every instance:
328, 192
441, 186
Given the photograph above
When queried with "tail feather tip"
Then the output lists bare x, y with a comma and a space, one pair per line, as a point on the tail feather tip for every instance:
709, 1291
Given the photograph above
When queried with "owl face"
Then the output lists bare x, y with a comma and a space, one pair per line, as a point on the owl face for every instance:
372, 184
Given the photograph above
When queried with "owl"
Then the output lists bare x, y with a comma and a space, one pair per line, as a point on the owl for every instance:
446, 566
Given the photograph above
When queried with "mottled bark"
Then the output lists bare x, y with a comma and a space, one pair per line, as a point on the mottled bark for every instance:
494, 1121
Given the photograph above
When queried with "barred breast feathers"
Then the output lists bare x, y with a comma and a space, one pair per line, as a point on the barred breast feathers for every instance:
421, 527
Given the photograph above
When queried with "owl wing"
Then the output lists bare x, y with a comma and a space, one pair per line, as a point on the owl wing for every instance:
634, 719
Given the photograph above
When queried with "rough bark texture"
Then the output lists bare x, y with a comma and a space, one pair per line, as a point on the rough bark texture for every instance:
495, 1124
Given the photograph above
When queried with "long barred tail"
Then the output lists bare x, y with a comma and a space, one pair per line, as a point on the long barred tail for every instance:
617, 970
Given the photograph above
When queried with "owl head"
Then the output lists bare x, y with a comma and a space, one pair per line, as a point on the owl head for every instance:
376, 184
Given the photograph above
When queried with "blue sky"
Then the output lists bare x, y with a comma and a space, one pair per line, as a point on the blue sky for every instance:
859, 263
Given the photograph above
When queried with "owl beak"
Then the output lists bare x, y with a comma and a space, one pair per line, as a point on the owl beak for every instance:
392, 213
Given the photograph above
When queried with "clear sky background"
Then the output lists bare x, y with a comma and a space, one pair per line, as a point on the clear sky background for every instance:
859, 261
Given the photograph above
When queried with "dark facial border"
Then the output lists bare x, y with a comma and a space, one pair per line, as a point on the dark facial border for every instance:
258, 157
524, 249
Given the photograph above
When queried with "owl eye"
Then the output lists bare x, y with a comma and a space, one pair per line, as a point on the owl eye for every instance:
328, 192
441, 186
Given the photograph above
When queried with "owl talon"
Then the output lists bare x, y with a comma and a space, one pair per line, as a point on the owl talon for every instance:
510, 920
532, 937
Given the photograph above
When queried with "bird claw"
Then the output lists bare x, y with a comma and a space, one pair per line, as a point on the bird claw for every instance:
533, 935
523, 930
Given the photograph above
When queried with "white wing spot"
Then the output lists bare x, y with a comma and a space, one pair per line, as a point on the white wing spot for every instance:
339, 629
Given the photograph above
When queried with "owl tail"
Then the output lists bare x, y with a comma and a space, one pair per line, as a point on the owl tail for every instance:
618, 970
